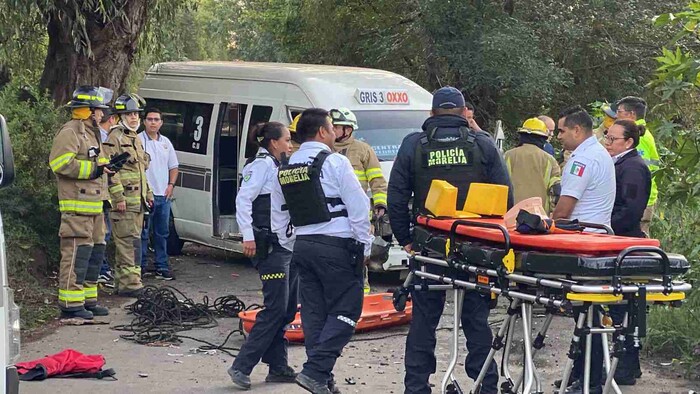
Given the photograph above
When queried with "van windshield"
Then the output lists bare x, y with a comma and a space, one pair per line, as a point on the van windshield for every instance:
385, 130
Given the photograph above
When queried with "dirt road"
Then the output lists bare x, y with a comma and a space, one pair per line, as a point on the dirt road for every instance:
374, 365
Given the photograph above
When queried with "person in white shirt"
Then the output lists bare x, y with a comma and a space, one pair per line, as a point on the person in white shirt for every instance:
328, 211
587, 194
161, 175
270, 257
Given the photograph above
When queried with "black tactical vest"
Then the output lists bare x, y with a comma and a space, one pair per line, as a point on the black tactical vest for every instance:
261, 204
301, 186
457, 160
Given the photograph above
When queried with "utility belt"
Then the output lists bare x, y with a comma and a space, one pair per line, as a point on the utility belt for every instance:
356, 248
265, 240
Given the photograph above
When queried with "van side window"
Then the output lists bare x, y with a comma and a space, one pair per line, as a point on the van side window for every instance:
259, 114
185, 124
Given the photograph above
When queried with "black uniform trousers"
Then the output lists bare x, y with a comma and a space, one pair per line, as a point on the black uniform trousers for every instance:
420, 359
628, 366
597, 378
280, 288
330, 288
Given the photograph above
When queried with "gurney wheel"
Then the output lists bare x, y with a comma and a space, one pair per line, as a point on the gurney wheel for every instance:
399, 300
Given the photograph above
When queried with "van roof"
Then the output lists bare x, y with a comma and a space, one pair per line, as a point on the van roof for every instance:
320, 82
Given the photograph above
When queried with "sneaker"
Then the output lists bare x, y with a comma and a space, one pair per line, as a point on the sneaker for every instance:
106, 280
311, 385
164, 275
283, 374
332, 387
98, 310
239, 378
78, 314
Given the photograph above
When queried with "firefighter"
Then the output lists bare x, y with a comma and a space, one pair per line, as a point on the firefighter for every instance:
533, 171
329, 212
130, 194
78, 161
296, 143
271, 256
364, 162
446, 132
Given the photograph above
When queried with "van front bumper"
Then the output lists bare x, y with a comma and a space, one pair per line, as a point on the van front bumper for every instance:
11, 380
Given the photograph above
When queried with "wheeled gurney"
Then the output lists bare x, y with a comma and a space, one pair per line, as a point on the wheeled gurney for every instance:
558, 271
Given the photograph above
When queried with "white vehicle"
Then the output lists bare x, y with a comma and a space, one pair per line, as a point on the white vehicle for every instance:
9, 312
209, 107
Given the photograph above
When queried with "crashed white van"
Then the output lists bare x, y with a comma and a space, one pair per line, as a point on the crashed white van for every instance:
208, 108
9, 312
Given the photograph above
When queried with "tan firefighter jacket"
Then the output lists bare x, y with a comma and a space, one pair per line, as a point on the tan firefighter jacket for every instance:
533, 173
366, 165
75, 154
129, 184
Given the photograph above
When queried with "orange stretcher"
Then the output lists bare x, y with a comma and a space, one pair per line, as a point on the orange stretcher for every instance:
377, 312
579, 243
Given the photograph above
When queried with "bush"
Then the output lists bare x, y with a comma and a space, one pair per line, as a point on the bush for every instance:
674, 331
30, 206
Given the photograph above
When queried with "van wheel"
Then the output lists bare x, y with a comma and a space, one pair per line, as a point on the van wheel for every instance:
174, 243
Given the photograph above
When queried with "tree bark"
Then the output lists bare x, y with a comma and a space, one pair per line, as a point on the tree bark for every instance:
113, 46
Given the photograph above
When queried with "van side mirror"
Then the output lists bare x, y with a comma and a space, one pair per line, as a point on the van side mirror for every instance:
7, 162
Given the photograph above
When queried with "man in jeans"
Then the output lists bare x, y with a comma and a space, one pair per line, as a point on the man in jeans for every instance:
161, 175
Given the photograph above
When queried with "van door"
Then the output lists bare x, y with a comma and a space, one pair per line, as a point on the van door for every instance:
231, 148
188, 125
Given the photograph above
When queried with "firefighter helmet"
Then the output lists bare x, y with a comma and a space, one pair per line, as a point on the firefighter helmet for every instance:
127, 103
534, 126
90, 97
344, 117
293, 127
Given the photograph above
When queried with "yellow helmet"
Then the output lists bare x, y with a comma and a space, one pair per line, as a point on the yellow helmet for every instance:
293, 127
534, 126
609, 116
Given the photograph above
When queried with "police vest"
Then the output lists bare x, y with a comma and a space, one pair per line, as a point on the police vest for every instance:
301, 186
456, 160
261, 204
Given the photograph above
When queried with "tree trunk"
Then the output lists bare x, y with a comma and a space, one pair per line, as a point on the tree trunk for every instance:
113, 46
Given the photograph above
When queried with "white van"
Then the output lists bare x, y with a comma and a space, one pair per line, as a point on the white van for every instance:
9, 312
208, 108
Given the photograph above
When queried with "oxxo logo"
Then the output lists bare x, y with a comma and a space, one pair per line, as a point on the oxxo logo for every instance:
382, 97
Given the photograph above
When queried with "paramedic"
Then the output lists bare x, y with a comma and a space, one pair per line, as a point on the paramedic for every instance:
270, 258
445, 132
587, 194
633, 189
328, 210
364, 161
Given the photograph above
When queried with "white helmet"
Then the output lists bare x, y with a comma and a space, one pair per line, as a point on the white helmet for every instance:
344, 117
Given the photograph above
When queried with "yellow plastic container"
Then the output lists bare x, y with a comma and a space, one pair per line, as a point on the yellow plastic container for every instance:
487, 199
442, 199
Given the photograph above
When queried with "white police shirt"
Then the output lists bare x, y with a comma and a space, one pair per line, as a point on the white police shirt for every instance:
258, 178
338, 179
589, 177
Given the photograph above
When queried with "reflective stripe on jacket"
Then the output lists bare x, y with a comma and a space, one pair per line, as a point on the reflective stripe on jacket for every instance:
75, 154
367, 169
129, 184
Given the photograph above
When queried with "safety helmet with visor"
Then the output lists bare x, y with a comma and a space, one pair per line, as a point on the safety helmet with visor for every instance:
534, 126
91, 97
128, 103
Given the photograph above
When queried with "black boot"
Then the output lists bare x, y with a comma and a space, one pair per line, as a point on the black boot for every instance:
83, 314
311, 385
283, 374
239, 378
98, 310
130, 293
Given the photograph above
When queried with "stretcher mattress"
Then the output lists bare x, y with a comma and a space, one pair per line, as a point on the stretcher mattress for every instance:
579, 243
488, 255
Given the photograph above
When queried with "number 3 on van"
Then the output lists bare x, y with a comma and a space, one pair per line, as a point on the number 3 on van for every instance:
382, 96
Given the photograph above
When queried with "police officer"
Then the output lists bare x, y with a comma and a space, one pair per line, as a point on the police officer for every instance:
270, 258
130, 194
446, 130
328, 210
364, 161
533, 171
78, 161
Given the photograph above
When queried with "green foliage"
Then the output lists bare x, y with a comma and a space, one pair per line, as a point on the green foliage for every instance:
30, 207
